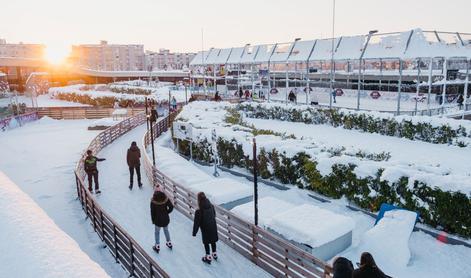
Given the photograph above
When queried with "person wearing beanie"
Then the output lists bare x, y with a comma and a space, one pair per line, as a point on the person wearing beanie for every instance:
160, 208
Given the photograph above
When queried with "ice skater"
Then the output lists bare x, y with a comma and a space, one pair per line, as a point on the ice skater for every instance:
92, 171
205, 219
160, 208
133, 158
368, 268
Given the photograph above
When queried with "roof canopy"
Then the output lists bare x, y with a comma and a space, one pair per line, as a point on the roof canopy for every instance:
401, 45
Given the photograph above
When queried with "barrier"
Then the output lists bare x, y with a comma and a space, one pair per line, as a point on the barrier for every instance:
275, 255
74, 113
122, 246
15, 121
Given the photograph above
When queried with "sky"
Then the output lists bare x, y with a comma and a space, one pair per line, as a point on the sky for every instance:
177, 24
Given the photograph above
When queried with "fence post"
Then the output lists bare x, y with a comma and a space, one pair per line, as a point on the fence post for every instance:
93, 215
132, 256
115, 241
101, 226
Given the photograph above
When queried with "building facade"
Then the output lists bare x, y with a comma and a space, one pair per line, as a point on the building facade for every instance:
166, 60
21, 50
109, 57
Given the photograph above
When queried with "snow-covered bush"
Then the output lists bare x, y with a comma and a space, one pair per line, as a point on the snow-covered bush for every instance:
442, 209
423, 128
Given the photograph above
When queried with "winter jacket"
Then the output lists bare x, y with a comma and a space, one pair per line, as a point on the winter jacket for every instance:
205, 219
369, 272
133, 156
343, 268
90, 163
160, 208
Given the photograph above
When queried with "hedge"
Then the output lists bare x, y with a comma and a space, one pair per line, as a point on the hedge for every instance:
381, 123
444, 210
105, 101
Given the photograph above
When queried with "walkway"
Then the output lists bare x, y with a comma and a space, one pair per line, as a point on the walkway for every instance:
131, 210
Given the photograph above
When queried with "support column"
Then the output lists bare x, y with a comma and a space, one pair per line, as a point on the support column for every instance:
465, 91
359, 84
430, 76
399, 89
445, 75
287, 84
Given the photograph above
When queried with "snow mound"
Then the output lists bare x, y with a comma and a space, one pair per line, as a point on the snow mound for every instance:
222, 190
267, 208
32, 245
311, 225
46, 120
388, 241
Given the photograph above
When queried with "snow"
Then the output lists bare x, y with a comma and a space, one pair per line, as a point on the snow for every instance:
160, 93
268, 207
40, 158
429, 257
311, 225
131, 210
223, 190
32, 244
388, 241
42, 101
104, 122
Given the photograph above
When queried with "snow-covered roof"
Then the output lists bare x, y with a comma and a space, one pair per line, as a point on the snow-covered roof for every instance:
200, 58
405, 45
264, 53
323, 50
249, 54
282, 52
301, 51
212, 56
223, 56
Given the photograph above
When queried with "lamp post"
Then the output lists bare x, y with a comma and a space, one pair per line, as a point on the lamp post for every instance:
332, 57
185, 80
152, 139
255, 186
147, 114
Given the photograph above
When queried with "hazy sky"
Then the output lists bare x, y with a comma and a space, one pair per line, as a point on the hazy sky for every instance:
177, 24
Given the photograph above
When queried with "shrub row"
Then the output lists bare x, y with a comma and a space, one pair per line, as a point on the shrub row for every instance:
131, 91
105, 101
444, 210
403, 127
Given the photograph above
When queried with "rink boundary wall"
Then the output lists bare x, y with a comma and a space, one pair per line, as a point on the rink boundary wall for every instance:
81, 112
273, 254
121, 245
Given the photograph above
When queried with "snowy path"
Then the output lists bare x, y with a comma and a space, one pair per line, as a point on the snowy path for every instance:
131, 210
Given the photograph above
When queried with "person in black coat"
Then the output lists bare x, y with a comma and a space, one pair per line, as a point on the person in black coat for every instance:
92, 170
368, 268
160, 208
343, 268
133, 159
205, 219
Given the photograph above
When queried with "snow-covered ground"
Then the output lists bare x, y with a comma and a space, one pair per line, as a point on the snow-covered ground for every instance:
429, 257
32, 245
42, 101
131, 210
40, 158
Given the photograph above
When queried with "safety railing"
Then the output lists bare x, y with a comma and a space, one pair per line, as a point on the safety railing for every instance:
275, 255
122, 246
73, 113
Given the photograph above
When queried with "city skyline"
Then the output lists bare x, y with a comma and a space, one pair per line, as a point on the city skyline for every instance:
177, 25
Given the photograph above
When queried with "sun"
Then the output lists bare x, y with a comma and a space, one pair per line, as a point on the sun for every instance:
56, 54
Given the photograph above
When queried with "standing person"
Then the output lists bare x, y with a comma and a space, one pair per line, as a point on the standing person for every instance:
160, 208
173, 103
205, 218
460, 101
334, 95
92, 171
241, 93
133, 159
368, 268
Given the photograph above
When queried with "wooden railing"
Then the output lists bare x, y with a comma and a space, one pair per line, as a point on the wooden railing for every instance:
272, 253
74, 113
121, 245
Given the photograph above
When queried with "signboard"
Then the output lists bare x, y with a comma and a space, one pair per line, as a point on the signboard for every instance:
274, 91
338, 92
182, 130
375, 95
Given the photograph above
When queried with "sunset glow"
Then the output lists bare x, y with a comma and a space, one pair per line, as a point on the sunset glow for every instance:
56, 54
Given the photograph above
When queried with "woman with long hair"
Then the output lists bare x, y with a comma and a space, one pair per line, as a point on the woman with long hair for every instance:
368, 268
205, 219
160, 208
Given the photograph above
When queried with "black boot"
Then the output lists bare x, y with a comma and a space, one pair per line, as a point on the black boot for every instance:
207, 259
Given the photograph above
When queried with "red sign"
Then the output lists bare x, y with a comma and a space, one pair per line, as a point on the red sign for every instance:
338, 92
375, 95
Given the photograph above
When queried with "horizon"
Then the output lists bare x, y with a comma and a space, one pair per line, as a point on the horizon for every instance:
156, 28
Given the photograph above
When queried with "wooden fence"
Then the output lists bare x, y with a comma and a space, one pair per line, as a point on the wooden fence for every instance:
121, 245
275, 255
74, 113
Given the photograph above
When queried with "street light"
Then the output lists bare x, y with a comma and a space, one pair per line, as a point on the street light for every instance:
152, 139
255, 186
332, 57
147, 114
185, 82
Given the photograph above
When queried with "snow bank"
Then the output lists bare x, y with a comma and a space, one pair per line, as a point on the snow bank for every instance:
32, 245
268, 207
222, 190
388, 241
311, 225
